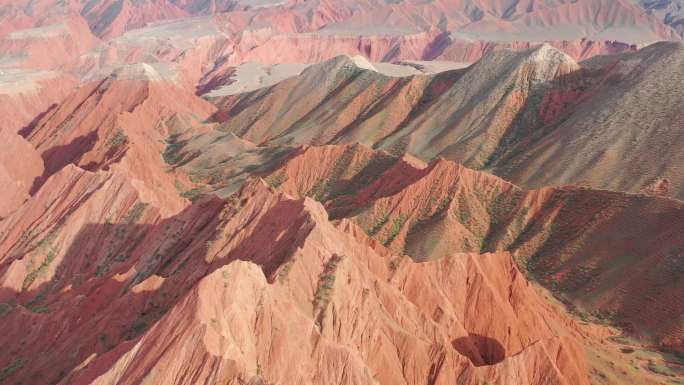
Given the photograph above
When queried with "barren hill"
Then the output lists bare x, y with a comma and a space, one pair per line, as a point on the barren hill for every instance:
510, 113
261, 192
596, 249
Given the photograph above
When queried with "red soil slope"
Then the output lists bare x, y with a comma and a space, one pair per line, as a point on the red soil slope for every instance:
588, 246
328, 295
20, 164
523, 115
121, 122
312, 232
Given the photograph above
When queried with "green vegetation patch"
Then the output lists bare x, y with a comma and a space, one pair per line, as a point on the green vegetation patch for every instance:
172, 153
326, 284
397, 225
135, 213
117, 140
10, 369
31, 277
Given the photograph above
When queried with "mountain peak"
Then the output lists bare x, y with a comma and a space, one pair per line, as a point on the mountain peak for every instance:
548, 54
139, 71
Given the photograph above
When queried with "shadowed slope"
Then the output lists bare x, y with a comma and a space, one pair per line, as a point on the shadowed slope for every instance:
121, 122
611, 253
141, 289
467, 114
20, 164
627, 132
523, 115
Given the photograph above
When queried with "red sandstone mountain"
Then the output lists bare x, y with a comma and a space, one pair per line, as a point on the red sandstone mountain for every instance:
285, 192
288, 295
191, 40
120, 122
580, 243
524, 115
283, 31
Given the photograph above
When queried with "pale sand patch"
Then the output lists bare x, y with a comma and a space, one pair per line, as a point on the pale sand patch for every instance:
251, 76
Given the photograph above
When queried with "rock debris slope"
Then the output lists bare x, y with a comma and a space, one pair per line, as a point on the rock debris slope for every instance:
322, 295
523, 115
341, 192
596, 249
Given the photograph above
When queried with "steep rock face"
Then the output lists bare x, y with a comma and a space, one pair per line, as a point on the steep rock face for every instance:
423, 210
617, 128
48, 46
234, 339
66, 269
184, 50
615, 254
26, 95
298, 310
20, 164
141, 289
565, 237
470, 114
112, 18
34, 238
121, 122
343, 170
466, 131
524, 115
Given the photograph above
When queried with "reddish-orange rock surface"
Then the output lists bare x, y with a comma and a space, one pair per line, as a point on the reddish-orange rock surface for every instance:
327, 192
20, 164
580, 243
307, 291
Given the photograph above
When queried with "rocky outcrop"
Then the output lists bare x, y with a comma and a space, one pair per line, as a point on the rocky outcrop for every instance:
473, 115
20, 165
121, 122
563, 237
515, 113
140, 289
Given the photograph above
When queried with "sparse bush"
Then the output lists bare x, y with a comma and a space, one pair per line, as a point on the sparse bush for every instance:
135, 213
444, 203
118, 139
38, 309
102, 270
277, 179
397, 225
192, 194
172, 153
121, 258
31, 277
378, 225
660, 369
285, 270
8, 370
5, 308
326, 283
395, 263
139, 326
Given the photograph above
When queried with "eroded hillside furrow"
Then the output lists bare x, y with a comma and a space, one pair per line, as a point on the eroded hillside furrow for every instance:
240, 278
514, 113
255, 195
594, 249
